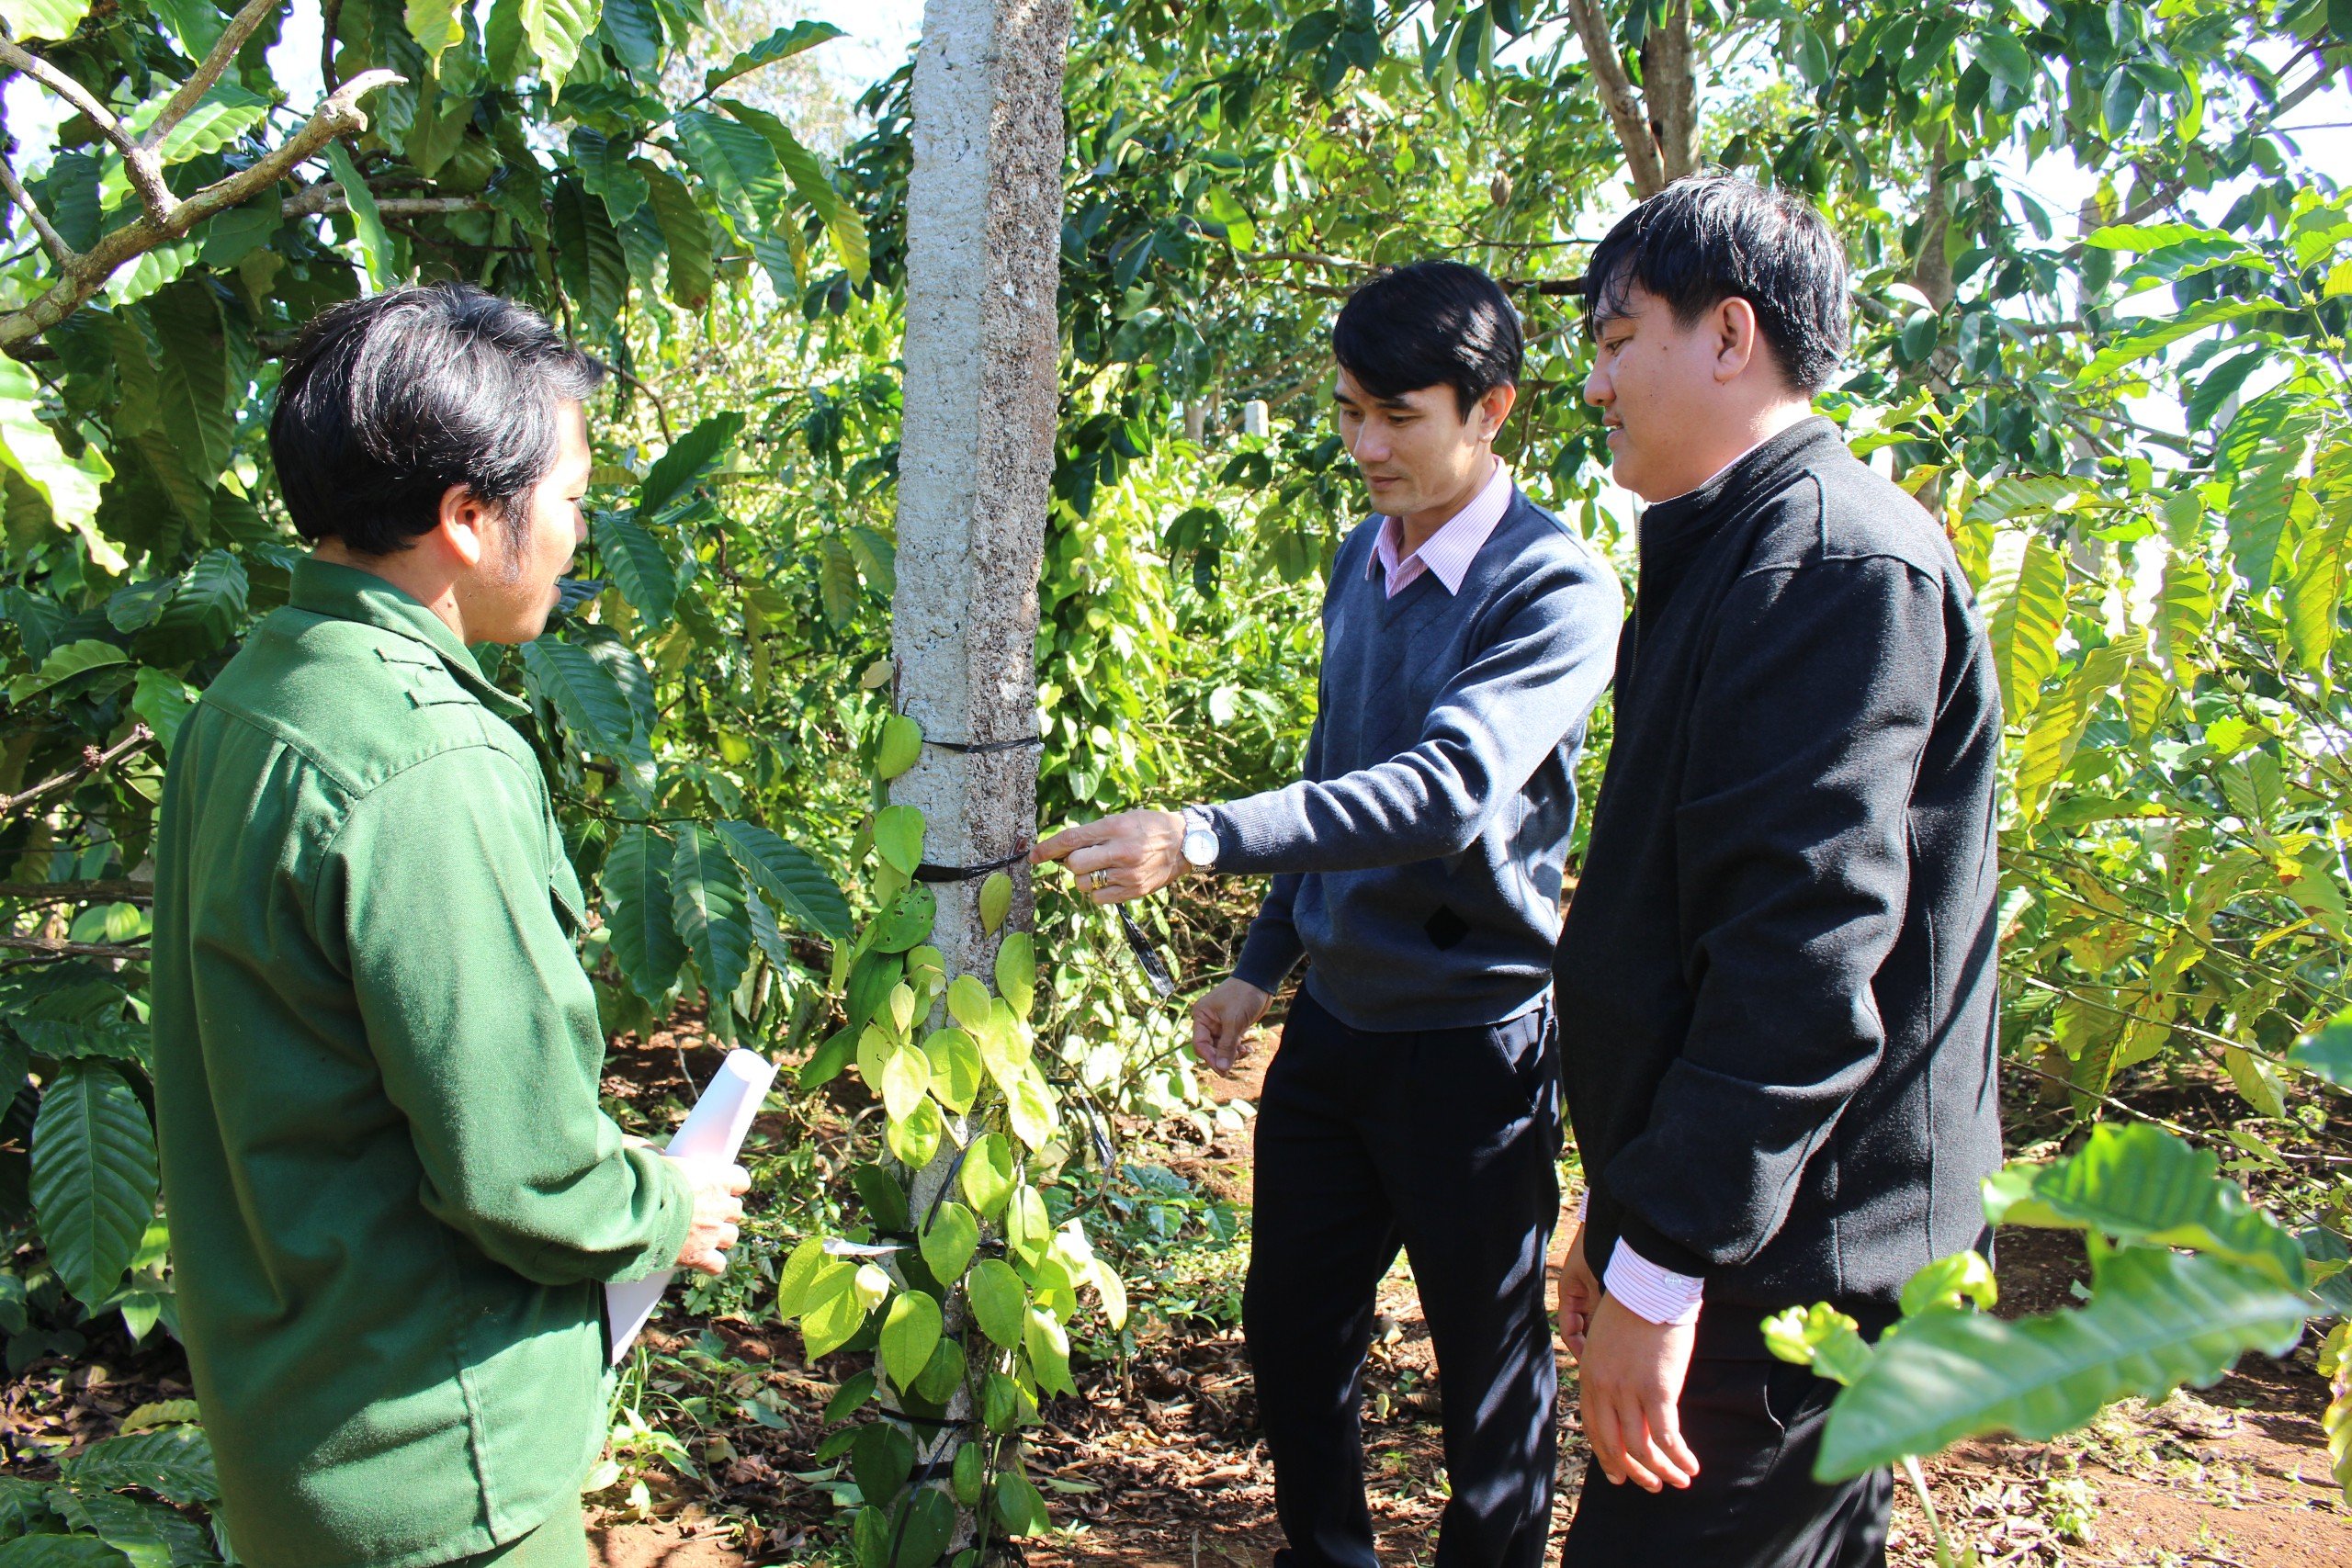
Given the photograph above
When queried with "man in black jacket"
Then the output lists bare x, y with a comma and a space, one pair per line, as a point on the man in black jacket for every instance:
1775, 979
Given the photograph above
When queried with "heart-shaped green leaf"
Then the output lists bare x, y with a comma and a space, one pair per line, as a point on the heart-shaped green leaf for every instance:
908, 1335
949, 1241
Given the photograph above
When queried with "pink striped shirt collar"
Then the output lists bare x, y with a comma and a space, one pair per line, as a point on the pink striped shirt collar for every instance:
1448, 552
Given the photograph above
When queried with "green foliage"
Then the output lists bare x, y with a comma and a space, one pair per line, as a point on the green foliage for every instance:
2165, 605
84, 1519
144, 534
950, 1092
92, 1176
2157, 1318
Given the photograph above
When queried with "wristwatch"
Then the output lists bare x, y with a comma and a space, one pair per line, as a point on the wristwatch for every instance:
1200, 839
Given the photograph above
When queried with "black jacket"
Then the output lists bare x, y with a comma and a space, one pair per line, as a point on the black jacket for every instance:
1775, 979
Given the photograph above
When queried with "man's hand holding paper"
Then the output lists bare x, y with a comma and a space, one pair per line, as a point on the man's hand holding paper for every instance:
719, 1212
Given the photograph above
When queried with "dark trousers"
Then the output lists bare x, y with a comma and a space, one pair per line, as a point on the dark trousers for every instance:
1440, 1142
1755, 1425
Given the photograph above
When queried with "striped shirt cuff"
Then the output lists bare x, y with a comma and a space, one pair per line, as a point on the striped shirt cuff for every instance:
1650, 1292
1653, 1293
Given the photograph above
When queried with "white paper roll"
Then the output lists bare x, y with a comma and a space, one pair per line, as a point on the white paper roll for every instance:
712, 1132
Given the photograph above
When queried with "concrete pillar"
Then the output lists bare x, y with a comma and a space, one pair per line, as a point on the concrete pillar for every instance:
975, 465
976, 458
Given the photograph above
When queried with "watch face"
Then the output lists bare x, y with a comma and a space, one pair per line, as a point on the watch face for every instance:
1200, 846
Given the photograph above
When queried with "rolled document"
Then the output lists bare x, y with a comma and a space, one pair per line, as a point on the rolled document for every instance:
712, 1134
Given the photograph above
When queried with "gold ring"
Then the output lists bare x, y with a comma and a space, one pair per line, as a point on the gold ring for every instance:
1099, 879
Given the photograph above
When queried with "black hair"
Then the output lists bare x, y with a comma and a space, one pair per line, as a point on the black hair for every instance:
1434, 321
1709, 238
388, 402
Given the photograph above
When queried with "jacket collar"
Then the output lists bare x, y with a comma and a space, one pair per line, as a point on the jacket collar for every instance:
1760, 468
346, 593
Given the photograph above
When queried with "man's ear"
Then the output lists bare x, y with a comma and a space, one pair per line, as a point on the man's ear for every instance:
1493, 408
1735, 338
465, 524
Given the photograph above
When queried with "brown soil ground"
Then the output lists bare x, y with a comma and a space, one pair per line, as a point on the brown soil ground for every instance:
1159, 1466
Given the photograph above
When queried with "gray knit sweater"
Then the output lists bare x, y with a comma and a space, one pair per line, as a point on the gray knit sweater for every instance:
1418, 862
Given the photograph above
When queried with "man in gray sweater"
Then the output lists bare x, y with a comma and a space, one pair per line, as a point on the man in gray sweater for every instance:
1414, 1101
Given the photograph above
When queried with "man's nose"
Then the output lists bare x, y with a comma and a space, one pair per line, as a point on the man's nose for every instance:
1598, 388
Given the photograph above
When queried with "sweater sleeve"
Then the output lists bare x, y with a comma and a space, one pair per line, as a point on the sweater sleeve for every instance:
485, 1029
1488, 731
1808, 725
1273, 948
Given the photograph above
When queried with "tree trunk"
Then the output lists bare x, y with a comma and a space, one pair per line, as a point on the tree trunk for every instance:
1930, 266
1657, 122
976, 458
1619, 97
1671, 93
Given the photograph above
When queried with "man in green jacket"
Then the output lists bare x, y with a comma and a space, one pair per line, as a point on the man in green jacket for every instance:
394, 1199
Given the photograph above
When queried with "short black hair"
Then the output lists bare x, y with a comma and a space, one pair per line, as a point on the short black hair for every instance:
1434, 321
386, 403
1709, 238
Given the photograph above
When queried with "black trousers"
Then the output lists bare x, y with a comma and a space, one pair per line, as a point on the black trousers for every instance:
1755, 1425
1440, 1142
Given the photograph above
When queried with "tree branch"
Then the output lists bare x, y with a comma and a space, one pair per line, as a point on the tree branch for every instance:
146, 175
50, 947
92, 760
62, 253
118, 890
240, 27
338, 116
1618, 97
1930, 266
326, 197
327, 30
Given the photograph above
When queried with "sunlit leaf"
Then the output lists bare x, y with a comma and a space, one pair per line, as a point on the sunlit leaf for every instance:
2156, 1320
910, 1333
555, 30
2138, 1183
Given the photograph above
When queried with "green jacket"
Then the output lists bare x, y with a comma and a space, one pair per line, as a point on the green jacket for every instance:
393, 1195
